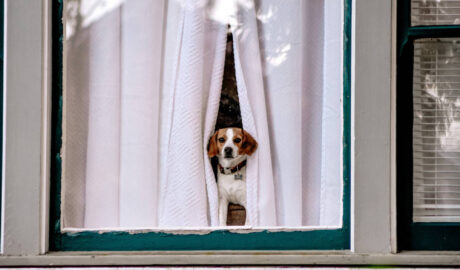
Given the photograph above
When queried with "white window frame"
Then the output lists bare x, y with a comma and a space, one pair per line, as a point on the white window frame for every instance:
26, 144
26, 127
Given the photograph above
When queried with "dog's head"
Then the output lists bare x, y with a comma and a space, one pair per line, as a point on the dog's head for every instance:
231, 143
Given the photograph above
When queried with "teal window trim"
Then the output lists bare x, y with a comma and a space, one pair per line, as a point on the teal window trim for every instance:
415, 235
337, 239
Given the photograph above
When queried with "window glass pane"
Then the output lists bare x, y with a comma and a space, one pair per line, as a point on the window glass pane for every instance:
436, 130
143, 81
435, 12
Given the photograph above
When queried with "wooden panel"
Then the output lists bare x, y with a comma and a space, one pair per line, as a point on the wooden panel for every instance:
236, 215
24, 230
371, 126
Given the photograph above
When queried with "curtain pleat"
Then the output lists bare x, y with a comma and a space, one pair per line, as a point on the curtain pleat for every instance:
282, 59
216, 34
261, 206
114, 130
140, 95
312, 103
302, 85
186, 192
103, 148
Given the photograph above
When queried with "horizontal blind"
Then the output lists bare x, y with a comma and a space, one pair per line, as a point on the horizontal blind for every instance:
435, 12
436, 130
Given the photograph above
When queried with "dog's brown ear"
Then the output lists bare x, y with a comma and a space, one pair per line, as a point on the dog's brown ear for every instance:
212, 146
249, 144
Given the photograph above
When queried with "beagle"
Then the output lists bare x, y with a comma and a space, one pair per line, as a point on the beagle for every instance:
231, 146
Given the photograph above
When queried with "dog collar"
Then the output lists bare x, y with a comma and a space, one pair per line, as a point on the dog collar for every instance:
234, 169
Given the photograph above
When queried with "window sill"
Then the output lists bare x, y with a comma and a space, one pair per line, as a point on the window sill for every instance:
419, 258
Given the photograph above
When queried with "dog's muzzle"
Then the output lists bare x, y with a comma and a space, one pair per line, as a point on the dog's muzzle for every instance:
228, 152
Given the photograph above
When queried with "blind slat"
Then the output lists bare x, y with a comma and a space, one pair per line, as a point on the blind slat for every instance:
450, 179
436, 219
435, 206
439, 185
437, 191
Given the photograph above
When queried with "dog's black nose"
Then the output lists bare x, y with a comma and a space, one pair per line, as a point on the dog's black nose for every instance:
228, 151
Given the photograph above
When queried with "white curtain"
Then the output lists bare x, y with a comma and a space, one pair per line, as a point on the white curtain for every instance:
142, 90
111, 116
188, 194
301, 47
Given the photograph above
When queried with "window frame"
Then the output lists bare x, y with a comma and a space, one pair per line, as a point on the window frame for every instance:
26, 127
317, 239
415, 235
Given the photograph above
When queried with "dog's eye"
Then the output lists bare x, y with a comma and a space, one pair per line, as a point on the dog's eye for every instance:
221, 140
237, 140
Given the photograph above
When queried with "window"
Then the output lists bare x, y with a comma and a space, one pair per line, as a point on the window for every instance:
428, 164
26, 159
102, 144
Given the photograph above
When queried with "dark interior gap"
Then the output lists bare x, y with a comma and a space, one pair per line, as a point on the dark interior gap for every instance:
230, 116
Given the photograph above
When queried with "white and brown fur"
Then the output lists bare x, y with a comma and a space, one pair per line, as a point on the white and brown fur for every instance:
231, 146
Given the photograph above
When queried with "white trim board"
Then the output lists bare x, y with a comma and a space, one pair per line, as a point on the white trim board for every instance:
371, 128
232, 258
25, 127
393, 210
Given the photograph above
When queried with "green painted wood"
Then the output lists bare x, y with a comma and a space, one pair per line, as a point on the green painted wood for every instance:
434, 236
217, 240
346, 123
338, 239
423, 235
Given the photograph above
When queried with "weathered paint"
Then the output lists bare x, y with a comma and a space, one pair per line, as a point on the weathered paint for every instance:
336, 239
233, 258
